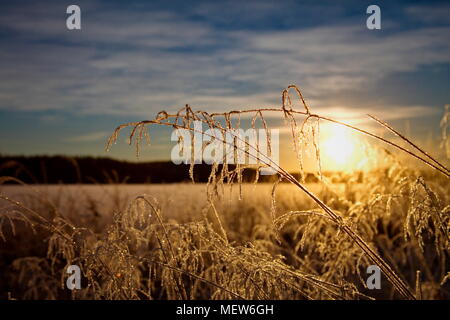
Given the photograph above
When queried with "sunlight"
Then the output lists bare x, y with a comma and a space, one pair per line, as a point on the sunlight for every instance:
339, 148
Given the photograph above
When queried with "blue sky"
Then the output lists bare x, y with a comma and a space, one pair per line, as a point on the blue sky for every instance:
62, 92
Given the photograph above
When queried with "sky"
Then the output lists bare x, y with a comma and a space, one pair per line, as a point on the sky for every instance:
64, 91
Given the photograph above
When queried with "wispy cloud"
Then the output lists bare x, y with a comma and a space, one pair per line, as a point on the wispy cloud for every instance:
89, 137
140, 61
429, 13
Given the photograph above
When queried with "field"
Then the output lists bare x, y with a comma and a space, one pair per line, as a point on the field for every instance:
168, 242
377, 233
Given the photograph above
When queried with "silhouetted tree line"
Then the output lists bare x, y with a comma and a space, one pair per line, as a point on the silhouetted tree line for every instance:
70, 170
62, 169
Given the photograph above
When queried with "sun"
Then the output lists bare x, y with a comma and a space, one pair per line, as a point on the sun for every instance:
339, 148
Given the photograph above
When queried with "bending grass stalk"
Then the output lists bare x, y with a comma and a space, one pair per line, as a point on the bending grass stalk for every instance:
384, 124
391, 275
209, 120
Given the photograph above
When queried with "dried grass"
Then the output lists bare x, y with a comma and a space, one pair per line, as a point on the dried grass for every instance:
399, 222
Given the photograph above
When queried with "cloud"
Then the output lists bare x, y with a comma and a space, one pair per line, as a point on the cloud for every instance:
336, 58
89, 137
137, 62
430, 14
51, 119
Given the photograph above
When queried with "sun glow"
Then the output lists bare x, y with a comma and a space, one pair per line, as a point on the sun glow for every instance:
340, 149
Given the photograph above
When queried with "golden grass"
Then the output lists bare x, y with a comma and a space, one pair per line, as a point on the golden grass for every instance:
397, 219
